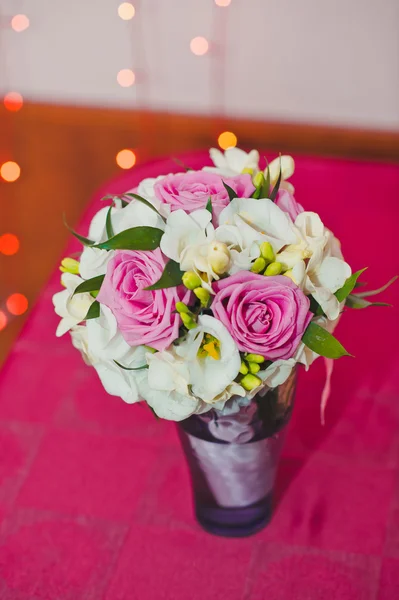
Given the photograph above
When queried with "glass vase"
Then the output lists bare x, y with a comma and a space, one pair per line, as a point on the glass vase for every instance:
233, 461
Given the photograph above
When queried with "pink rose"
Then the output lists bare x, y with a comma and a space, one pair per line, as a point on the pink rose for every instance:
192, 190
286, 201
264, 315
143, 316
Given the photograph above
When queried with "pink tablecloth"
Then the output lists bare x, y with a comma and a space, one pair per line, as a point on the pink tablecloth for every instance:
94, 494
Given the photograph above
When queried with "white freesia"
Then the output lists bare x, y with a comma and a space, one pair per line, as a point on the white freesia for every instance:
325, 271
287, 165
274, 375
120, 382
93, 262
209, 377
72, 309
80, 341
233, 161
166, 388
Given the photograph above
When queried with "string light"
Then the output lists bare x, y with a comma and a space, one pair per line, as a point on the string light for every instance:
19, 23
13, 101
227, 139
3, 320
9, 244
222, 2
126, 159
10, 171
126, 78
17, 304
126, 11
199, 46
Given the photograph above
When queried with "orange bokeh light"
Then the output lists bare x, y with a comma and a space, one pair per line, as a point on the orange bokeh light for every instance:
126, 77
17, 304
19, 23
199, 46
126, 159
10, 171
227, 139
223, 2
13, 101
126, 11
3, 320
9, 244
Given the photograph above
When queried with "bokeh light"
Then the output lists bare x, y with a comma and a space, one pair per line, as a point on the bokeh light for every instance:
199, 46
10, 171
17, 304
19, 23
126, 77
227, 139
13, 101
9, 244
126, 11
3, 320
223, 2
126, 159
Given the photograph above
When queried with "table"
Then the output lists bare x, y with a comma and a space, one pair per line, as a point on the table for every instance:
94, 494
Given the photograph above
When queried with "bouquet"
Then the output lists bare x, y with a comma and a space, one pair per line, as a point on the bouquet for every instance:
199, 290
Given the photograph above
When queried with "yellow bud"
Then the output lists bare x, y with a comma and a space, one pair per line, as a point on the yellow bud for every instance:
182, 308
149, 349
243, 368
218, 257
247, 170
203, 295
258, 179
250, 382
274, 268
256, 358
253, 367
95, 294
258, 265
188, 321
191, 280
69, 265
267, 252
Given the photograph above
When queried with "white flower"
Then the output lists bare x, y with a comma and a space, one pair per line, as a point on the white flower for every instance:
79, 340
120, 382
233, 161
274, 375
209, 377
246, 221
72, 309
93, 262
325, 272
287, 165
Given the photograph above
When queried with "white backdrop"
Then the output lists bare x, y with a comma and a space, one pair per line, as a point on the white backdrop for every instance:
334, 61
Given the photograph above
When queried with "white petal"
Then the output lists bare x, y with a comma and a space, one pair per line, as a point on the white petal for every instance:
332, 273
328, 302
310, 224
93, 262
278, 372
218, 158
118, 382
287, 168
169, 405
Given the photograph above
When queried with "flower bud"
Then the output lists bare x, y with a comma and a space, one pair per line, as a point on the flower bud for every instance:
274, 268
150, 349
258, 265
256, 358
218, 257
253, 367
188, 321
69, 265
95, 293
267, 252
250, 382
191, 280
247, 170
258, 179
243, 368
182, 308
203, 295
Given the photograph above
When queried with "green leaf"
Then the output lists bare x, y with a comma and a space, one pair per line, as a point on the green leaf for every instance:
108, 224
124, 203
208, 206
232, 194
356, 302
90, 285
135, 238
83, 240
171, 276
276, 188
93, 312
130, 368
381, 289
322, 342
348, 286
266, 184
144, 201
